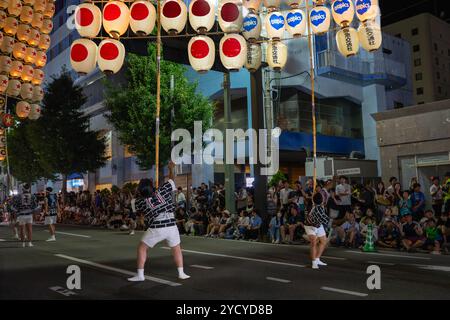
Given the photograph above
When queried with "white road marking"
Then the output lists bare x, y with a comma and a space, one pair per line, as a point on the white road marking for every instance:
434, 268
201, 267
71, 234
63, 291
278, 280
388, 255
2, 240
353, 293
333, 258
241, 258
126, 272
381, 263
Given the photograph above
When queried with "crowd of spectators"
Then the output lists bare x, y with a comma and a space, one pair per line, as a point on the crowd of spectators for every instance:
399, 216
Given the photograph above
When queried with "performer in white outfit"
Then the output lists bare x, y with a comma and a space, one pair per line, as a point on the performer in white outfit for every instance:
24, 205
158, 208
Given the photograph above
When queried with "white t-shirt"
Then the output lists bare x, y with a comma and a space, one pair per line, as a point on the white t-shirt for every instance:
284, 195
438, 192
345, 199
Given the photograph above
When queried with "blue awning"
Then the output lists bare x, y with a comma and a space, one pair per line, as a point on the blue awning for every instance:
74, 176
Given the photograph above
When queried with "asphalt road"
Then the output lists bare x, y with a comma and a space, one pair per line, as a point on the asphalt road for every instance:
219, 269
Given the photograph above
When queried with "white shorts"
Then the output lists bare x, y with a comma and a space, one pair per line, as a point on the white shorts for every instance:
153, 236
26, 219
50, 220
313, 231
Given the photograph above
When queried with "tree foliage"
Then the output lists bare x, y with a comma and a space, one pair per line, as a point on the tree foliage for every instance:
133, 106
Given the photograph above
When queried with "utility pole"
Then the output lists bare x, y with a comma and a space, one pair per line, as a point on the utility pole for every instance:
229, 168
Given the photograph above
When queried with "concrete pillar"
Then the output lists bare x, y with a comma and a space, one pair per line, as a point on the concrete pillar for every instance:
117, 161
374, 100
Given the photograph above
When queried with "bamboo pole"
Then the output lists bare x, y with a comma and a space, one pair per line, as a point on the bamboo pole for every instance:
313, 103
158, 91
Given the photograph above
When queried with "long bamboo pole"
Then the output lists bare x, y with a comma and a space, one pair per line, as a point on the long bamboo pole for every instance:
158, 91
313, 103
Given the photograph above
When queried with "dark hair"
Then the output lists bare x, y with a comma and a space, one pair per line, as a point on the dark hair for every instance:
49, 189
180, 188
392, 178
343, 177
193, 209
145, 188
416, 185
26, 186
317, 198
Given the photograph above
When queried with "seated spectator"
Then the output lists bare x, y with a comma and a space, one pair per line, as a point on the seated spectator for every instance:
291, 224
189, 225
181, 218
275, 225
388, 234
224, 223
388, 216
444, 225
348, 232
214, 225
428, 215
200, 222
242, 224
252, 231
412, 234
434, 239
418, 202
358, 212
405, 204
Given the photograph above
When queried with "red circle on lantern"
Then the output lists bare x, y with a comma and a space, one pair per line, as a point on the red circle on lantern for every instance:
79, 53
84, 17
171, 9
231, 47
139, 11
200, 8
199, 49
111, 12
109, 51
229, 12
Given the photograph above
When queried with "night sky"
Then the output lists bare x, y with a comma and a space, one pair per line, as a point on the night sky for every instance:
394, 10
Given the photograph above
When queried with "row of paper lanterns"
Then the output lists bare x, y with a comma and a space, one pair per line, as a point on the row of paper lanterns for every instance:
3, 140
234, 51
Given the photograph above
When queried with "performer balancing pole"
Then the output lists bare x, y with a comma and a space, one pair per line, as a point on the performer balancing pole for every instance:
369, 246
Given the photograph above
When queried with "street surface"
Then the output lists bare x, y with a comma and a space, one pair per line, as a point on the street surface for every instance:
220, 269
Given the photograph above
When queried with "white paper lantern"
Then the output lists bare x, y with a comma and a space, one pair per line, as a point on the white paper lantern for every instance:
274, 22
35, 38
38, 20
83, 56
296, 22
49, 11
251, 27
14, 8
294, 3
233, 51
11, 25
14, 87
2, 18
26, 15
202, 53
23, 109
173, 16
44, 42
4, 4
254, 57
88, 20
370, 36
272, 4
7, 44
31, 56
28, 2
41, 59
143, 17
35, 112
23, 32
38, 77
3, 83
230, 16
3, 154
343, 12
347, 41
111, 54
252, 5
47, 26
38, 94
16, 69
320, 19
19, 50
5, 64
367, 9
202, 15
39, 5
276, 55
26, 91
116, 18
27, 73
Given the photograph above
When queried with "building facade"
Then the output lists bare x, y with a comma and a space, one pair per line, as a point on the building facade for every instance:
430, 55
